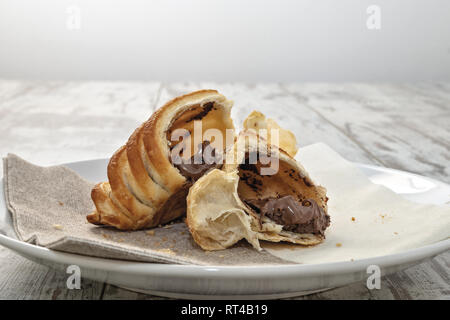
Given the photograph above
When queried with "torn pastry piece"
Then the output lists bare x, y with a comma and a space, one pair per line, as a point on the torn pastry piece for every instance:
286, 139
149, 177
253, 199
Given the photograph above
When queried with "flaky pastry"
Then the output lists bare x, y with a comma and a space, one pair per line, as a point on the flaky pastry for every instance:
238, 202
145, 188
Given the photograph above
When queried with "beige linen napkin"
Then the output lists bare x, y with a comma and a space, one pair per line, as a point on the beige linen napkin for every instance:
49, 206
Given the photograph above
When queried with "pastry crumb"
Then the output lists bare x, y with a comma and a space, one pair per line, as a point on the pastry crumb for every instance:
353, 219
395, 233
338, 244
58, 227
106, 236
60, 203
168, 251
150, 232
167, 226
385, 218
221, 256
183, 232
121, 240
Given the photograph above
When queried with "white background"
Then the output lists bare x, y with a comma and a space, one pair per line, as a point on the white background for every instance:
225, 40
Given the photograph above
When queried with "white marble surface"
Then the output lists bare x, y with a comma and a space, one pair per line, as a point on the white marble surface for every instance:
403, 126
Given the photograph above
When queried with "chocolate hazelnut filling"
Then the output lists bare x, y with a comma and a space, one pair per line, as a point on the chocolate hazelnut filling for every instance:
205, 159
299, 217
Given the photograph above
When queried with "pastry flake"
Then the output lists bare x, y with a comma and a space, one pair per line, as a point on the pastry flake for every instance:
286, 140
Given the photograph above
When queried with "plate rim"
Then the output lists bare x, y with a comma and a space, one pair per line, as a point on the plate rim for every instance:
220, 272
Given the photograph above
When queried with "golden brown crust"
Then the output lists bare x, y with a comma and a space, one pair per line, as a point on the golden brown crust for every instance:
144, 188
118, 172
155, 130
106, 211
151, 192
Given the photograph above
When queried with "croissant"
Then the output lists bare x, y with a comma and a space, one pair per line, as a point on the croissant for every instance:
146, 187
241, 202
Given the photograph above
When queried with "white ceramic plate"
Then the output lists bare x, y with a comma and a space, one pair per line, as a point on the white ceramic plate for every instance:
212, 282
